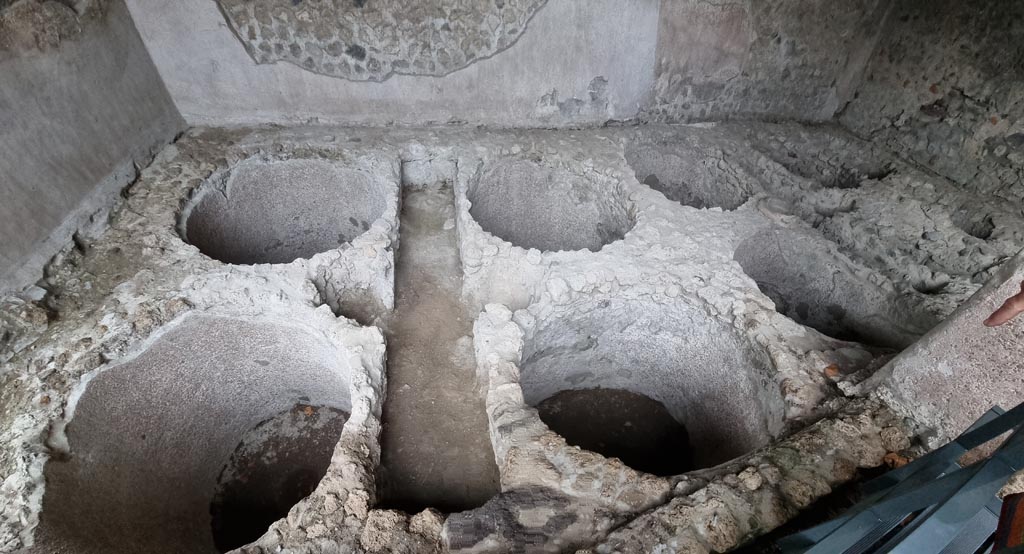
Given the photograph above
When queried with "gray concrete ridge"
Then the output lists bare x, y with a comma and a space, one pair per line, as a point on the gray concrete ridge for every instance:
494, 276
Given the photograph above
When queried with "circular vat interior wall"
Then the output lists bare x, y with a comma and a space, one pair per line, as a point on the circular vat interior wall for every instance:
821, 155
285, 457
279, 211
685, 174
651, 373
814, 287
199, 442
534, 206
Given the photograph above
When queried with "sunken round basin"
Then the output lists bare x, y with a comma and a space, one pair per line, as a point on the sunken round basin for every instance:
271, 212
199, 442
687, 174
819, 288
652, 373
551, 209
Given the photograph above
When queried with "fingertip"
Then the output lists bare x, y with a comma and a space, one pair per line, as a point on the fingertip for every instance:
996, 319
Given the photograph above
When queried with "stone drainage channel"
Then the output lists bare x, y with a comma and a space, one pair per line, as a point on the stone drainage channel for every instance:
435, 447
324, 340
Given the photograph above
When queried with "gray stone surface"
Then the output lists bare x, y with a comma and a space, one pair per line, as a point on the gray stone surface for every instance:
674, 282
945, 88
81, 105
554, 209
245, 219
935, 242
147, 438
761, 58
578, 62
961, 368
113, 294
435, 451
710, 380
519, 63
41, 26
657, 290
751, 277
759, 492
276, 464
371, 40
691, 171
819, 287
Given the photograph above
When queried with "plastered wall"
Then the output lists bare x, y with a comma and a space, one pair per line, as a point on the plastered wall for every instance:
576, 62
80, 105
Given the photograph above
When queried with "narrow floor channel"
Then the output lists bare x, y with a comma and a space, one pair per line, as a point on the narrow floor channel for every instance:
435, 447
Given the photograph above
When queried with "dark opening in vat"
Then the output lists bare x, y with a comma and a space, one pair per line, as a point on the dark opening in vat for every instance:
277, 463
621, 424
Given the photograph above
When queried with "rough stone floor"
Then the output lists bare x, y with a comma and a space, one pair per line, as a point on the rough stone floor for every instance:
477, 340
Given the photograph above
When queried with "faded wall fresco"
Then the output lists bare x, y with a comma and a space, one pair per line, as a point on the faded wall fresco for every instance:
370, 40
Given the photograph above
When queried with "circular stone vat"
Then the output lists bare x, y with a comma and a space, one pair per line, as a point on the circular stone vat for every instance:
822, 155
534, 206
199, 442
811, 285
686, 174
658, 371
271, 212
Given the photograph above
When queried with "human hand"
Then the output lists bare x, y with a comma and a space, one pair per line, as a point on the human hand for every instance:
1013, 306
